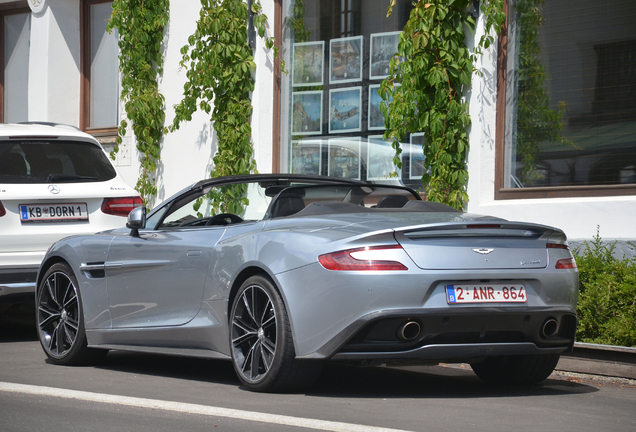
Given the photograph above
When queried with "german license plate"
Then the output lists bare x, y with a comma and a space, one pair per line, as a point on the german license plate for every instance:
486, 293
67, 212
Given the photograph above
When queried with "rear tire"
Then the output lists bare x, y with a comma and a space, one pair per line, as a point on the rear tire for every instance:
525, 369
261, 341
60, 320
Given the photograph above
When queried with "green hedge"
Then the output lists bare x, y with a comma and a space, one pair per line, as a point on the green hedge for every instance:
607, 295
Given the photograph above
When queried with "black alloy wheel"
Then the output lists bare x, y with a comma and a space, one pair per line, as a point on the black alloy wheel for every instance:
261, 341
59, 317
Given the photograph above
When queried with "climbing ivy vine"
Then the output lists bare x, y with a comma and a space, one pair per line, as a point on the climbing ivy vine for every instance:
434, 67
140, 25
220, 77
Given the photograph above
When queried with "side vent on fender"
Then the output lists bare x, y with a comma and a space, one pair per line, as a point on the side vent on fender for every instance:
93, 270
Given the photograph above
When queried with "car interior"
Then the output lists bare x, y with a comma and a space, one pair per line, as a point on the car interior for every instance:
236, 203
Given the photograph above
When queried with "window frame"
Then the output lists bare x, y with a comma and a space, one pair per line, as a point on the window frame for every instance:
85, 73
13, 8
502, 193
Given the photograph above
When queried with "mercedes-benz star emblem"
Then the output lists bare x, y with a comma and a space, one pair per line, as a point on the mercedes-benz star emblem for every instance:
483, 251
54, 189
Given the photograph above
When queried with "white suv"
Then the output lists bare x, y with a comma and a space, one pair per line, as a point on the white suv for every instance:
55, 181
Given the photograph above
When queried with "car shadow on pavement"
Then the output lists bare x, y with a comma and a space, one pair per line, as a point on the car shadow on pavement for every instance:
442, 381
17, 324
345, 381
186, 368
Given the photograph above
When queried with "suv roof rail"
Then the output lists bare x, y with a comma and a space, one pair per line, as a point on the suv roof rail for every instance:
43, 123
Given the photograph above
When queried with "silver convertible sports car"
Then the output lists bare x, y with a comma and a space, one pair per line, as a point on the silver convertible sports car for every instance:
279, 273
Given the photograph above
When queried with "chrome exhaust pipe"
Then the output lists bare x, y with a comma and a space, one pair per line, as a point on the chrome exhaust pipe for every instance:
549, 328
408, 331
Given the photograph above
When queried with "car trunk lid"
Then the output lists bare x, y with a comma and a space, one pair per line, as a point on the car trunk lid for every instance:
476, 245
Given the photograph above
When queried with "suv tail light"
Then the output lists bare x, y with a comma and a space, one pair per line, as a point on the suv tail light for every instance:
2, 210
120, 206
363, 259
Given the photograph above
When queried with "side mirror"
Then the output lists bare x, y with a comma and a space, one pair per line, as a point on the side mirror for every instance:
136, 220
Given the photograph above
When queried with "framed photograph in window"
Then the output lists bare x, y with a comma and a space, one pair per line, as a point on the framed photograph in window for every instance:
376, 118
344, 110
307, 113
306, 157
380, 156
308, 64
416, 156
344, 158
345, 60
384, 47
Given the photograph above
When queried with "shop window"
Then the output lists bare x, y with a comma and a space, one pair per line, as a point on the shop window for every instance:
338, 52
100, 74
15, 26
567, 99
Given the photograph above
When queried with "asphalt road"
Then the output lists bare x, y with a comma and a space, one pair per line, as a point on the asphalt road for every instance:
139, 392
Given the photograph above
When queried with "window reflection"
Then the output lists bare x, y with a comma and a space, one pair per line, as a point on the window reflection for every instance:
338, 52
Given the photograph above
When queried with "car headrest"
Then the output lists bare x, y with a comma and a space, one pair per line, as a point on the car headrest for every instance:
392, 201
287, 205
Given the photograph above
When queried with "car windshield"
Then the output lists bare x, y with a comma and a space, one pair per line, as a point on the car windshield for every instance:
43, 161
246, 200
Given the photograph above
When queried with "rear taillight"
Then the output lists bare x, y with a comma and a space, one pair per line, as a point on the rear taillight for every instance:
120, 206
2, 210
376, 258
567, 263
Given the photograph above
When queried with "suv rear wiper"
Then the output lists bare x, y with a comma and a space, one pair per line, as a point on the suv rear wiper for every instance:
68, 177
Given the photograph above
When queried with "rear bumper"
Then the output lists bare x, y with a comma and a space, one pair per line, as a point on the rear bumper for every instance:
18, 275
454, 352
18, 285
454, 335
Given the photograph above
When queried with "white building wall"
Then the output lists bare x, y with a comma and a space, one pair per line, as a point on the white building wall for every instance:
186, 154
54, 63
578, 217
263, 98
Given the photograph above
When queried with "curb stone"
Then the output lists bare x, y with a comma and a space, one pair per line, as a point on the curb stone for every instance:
602, 360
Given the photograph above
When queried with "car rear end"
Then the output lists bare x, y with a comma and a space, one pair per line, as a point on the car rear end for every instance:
54, 182
451, 291
501, 286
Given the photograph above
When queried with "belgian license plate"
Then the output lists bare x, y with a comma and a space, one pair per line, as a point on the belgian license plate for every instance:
486, 293
67, 212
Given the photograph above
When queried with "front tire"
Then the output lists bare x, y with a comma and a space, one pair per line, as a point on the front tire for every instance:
523, 369
60, 321
261, 341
